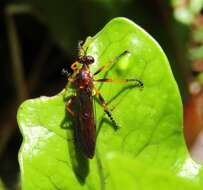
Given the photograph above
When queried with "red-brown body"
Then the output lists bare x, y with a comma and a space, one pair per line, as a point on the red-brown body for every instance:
84, 121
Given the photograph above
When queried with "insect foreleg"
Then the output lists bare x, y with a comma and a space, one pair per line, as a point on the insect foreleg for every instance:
113, 61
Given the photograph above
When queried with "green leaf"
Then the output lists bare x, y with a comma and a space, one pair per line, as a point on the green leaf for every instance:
148, 150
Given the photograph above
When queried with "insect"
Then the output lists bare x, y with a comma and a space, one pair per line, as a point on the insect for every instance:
80, 105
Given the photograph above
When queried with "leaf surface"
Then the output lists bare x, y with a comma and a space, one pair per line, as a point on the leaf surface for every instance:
147, 151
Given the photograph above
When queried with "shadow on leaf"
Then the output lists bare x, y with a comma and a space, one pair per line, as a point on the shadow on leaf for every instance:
80, 163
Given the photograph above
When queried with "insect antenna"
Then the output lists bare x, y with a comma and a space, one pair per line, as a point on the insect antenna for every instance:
81, 50
65, 73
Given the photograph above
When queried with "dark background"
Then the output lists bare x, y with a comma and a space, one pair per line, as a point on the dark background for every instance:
39, 38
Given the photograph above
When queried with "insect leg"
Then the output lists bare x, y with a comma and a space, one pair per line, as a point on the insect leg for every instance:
65, 73
74, 66
138, 83
111, 62
68, 75
106, 109
69, 105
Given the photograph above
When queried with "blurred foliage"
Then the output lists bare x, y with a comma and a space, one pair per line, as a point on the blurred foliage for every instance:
2, 187
185, 11
71, 21
190, 14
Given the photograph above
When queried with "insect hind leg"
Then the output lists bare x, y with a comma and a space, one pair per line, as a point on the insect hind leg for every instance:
107, 110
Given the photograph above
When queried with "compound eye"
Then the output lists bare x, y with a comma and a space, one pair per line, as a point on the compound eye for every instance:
91, 59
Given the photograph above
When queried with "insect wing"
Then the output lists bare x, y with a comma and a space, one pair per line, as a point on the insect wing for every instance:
84, 124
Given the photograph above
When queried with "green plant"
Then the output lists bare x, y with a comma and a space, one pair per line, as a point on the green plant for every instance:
147, 152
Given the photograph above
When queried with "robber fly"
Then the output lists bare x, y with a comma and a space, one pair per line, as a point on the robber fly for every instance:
80, 105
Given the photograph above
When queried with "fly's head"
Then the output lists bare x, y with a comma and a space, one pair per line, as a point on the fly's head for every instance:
86, 59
